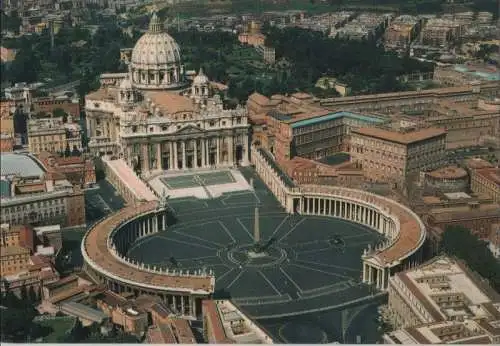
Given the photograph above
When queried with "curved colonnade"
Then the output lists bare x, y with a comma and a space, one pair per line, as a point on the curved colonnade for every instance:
106, 243
403, 230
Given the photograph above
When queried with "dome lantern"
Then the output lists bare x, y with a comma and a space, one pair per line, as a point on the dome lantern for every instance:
155, 25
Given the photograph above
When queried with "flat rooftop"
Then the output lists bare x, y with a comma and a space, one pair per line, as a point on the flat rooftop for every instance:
337, 115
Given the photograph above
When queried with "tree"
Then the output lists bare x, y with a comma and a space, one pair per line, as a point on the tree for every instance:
15, 325
460, 242
67, 151
60, 113
32, 295
10, 300
75, 151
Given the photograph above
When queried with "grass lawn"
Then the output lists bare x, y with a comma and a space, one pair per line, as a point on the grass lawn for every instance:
52, 330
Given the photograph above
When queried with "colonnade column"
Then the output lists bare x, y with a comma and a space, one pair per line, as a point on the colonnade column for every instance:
370, 271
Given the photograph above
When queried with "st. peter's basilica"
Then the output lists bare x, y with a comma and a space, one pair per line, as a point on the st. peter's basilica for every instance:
152, 118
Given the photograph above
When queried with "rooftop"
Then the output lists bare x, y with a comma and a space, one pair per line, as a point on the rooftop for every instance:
331, 116
129, 178
170, 102
95, 245
19, 164
400, 137
490, 174
449, 172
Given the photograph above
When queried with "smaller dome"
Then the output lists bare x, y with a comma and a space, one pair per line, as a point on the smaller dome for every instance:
200, 78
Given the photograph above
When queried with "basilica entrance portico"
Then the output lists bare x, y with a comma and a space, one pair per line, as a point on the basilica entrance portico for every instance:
181, 153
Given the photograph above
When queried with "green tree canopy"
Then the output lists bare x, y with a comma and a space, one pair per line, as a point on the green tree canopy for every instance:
460, 242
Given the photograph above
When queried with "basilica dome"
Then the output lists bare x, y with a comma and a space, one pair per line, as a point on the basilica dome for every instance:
156, 62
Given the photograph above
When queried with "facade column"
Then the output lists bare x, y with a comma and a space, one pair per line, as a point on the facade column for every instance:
217, 160
245, 149
171, 156
184, 155
195, 164
379, 278
158, 157
364, 272
230, 150
176, 160
182, 305
145, 161
370, 274
193, 306
174, 302
203, 153
382, 282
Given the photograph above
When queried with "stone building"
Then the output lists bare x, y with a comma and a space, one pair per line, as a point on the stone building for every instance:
152, 119
30, 196
475, 212
388, 155
296, 126
306, 171
50, 103
441, 302
466, 124
78, 170
53, 135
487, 181
446, 179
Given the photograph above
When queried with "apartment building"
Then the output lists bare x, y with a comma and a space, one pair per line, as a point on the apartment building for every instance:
53, 135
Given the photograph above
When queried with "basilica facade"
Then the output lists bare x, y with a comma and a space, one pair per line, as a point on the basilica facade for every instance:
157, 120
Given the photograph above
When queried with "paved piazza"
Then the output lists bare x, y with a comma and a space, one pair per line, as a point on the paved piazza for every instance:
202, 185
312, 263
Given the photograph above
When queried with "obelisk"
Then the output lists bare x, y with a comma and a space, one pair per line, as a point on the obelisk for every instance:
256, 230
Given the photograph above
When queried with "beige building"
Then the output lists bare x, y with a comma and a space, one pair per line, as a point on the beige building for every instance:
13, 259
152, 119
487, 181
388, 155
442, 302
466, 124
53, 135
